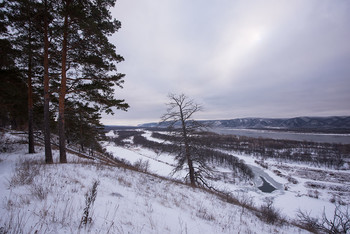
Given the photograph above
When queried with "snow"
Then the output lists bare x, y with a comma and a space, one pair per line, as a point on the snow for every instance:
111, 133
148, 135
158, 165
127, 201
290, 203
296, 197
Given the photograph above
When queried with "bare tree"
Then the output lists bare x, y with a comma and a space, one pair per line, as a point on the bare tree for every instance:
178, 118
339, 223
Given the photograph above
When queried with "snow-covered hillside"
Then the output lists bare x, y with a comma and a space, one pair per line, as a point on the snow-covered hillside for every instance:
300, 187
40, 198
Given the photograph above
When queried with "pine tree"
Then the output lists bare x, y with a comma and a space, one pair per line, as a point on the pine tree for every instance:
83, 125
12, 86
47, 132
24, 18
91, 58
79, 30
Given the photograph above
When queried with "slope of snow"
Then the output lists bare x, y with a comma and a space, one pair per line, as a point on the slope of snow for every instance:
127, 201
289, 201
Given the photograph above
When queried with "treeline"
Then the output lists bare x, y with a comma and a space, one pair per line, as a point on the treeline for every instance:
317, 154
123, 135
58, 66
197, 150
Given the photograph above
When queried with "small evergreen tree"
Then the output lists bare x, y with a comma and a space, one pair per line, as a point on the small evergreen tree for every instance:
83, 125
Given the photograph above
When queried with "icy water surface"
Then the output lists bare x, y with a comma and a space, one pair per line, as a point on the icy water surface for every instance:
315, 137
263, 181
266, 187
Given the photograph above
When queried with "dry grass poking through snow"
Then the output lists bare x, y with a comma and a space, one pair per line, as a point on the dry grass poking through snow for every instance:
39, 198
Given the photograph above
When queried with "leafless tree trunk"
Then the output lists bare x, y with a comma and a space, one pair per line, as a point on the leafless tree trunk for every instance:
179, 113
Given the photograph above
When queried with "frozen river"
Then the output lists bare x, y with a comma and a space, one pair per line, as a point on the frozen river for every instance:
279, 135
263, 181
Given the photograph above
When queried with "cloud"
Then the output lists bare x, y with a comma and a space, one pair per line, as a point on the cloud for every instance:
237, 58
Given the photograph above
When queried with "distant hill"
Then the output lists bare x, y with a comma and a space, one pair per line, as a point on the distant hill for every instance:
324, 124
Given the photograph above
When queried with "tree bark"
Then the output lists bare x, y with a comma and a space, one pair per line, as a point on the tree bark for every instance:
63, 90
187, 149
47, 139
30, 103
31, 149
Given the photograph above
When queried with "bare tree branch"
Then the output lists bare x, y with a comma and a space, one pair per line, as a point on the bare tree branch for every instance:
178, 119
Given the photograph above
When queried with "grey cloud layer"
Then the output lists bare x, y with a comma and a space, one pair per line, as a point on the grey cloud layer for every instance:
238, 58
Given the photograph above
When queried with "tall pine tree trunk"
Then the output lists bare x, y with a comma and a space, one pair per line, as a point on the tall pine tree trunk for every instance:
30, 108
62, 96
30, 89
47, 139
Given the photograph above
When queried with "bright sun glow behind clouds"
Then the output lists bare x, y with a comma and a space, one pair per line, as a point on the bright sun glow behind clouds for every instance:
235, 52
255, 36
263, 58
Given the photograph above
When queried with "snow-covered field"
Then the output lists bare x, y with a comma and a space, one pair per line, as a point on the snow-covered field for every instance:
40, 198
300, 187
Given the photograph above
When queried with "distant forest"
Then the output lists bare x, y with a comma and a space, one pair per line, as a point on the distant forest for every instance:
333, 156
333, 124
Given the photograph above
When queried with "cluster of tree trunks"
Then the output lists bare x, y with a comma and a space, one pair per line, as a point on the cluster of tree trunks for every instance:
60, 51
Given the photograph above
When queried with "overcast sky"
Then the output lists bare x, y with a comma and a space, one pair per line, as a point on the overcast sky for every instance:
245, 58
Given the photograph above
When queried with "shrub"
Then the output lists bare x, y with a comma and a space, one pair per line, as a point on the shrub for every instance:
39, 191
6, 147
24, 173
313, 193
123, 182
90, 197
142, 165
203, 213
269, 213
308, 222
292, 180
